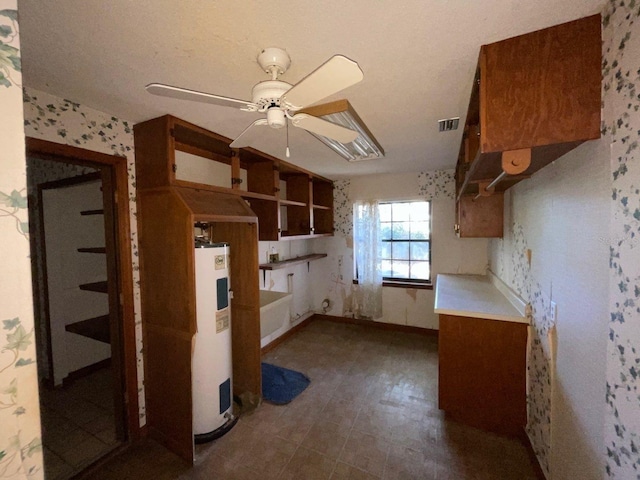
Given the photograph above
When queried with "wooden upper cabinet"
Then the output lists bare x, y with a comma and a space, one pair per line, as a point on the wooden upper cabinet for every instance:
538, 92
534, 97
541, 88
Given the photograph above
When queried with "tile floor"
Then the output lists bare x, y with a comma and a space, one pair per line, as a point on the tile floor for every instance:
369, 413
77, 424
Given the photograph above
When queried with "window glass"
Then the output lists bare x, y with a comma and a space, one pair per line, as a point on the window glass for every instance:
405, 230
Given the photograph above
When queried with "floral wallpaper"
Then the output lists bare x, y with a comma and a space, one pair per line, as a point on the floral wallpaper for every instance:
63, 121
342, 209
621, 80
437, 184
20, 437
621, 123
540, 357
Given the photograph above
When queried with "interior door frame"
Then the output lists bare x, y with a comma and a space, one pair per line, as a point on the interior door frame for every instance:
38, 148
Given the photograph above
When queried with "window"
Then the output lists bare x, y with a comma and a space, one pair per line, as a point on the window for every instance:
404, 239
405, 232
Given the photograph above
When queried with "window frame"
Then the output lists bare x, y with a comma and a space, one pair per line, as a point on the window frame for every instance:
409, 282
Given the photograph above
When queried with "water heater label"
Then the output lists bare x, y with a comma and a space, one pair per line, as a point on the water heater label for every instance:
220, 262
222, 320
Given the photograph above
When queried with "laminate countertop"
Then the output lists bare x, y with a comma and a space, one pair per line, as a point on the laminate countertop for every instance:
475, 296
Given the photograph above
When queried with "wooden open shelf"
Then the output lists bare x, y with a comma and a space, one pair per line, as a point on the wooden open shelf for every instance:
100, 287
93, 250
96, 328
292, 261
92, 212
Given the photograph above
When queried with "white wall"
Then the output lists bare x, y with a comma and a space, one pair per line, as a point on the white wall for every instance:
301, 284
562, 216
403, 306
66, 231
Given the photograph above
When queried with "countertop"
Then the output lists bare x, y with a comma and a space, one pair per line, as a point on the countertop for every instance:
474, 296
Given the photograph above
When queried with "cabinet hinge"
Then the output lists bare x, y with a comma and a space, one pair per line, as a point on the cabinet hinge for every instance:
236, 181
174, 167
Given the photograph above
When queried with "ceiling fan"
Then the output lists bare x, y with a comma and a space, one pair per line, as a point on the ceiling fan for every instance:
281, 100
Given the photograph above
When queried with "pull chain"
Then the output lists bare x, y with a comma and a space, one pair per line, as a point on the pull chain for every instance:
287, 150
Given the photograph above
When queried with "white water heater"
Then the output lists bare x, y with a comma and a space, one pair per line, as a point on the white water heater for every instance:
211, 364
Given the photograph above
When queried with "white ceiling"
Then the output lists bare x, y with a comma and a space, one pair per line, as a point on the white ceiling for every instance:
418, 58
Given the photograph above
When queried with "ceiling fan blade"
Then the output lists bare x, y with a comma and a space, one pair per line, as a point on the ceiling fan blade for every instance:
334, 75
322, 127
195, 96
243, 140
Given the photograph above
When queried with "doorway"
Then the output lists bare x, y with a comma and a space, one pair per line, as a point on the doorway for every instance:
83, 311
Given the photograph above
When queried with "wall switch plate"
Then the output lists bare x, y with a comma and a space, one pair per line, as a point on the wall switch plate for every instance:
553, 312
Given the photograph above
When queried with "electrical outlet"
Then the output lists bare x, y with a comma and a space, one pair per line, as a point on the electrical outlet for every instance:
553, 312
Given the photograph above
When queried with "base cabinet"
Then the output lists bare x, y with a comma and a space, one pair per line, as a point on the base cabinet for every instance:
482, 373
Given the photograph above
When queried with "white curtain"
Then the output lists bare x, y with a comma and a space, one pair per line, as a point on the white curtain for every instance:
368, 248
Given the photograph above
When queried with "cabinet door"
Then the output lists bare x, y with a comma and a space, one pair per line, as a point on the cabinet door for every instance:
482, 217
482, 372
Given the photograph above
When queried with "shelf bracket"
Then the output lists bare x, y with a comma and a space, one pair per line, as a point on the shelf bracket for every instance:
514, 162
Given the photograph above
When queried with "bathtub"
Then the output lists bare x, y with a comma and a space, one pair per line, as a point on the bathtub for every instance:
274, 311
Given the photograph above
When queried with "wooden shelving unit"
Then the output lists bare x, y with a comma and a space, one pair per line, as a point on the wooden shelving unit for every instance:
290, 202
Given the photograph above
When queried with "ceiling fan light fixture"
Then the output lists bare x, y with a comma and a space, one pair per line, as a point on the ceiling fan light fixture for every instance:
340, 112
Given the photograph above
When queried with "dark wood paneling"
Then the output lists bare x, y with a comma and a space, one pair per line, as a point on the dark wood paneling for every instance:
482, 372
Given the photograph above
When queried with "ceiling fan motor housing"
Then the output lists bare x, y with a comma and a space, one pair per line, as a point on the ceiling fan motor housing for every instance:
274, 58
267, 94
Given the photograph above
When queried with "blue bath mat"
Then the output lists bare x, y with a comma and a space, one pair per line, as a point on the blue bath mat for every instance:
281, 385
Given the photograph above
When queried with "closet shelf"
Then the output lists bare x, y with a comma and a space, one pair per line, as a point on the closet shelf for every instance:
92, 212
100, 287
96, 328
93, 250
292, 203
